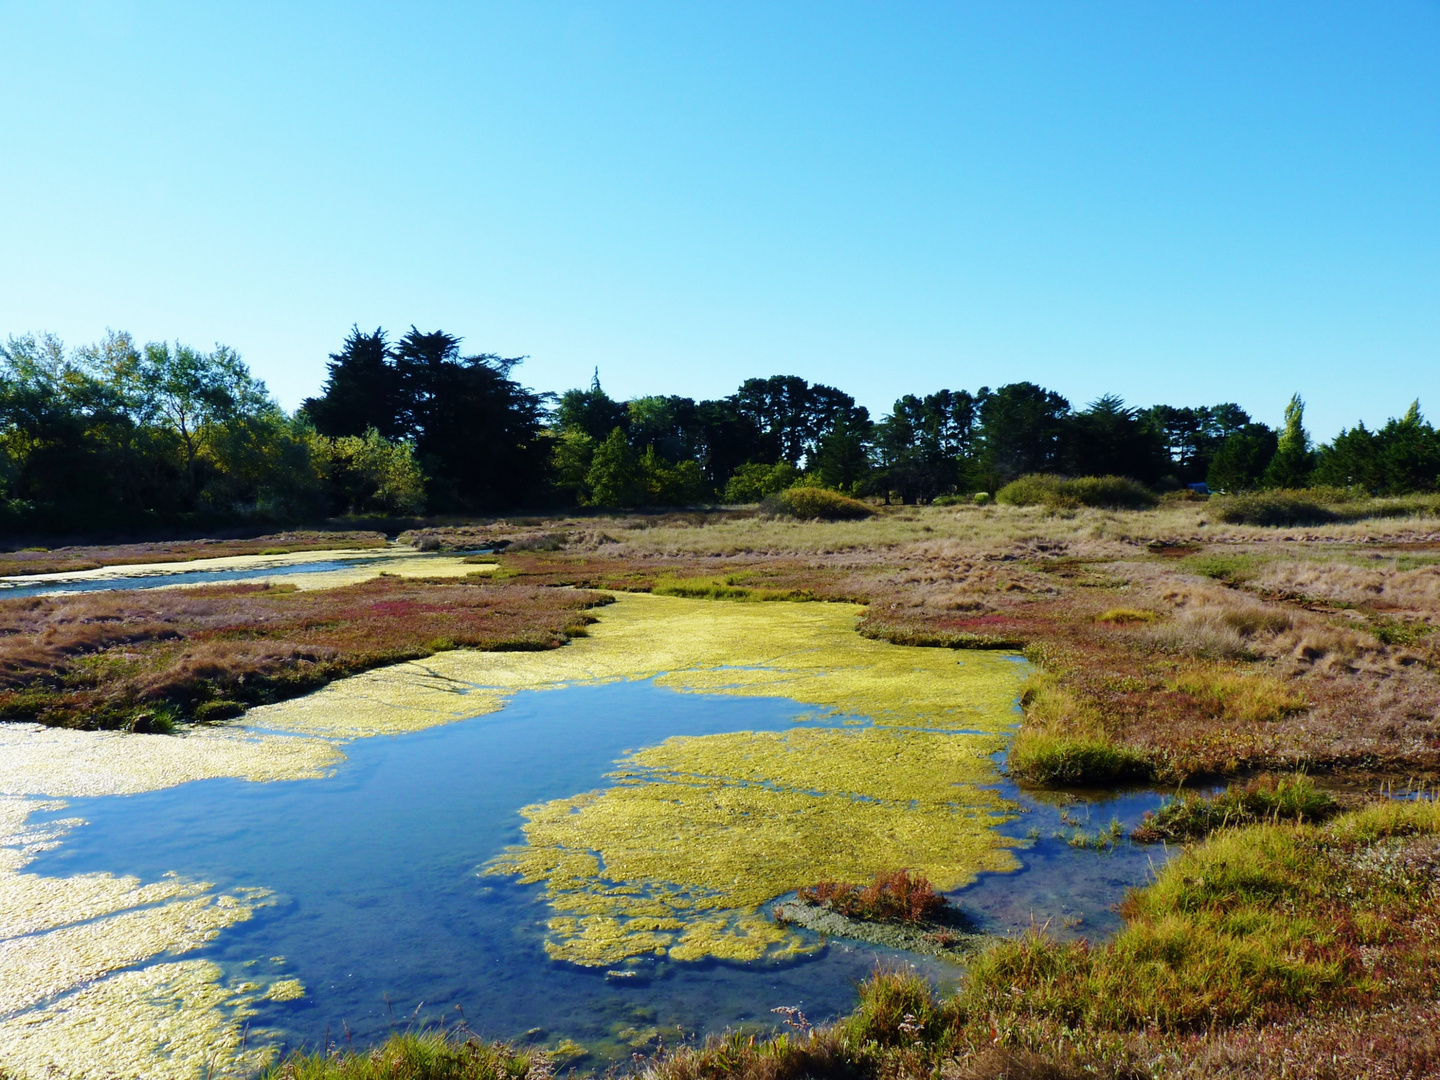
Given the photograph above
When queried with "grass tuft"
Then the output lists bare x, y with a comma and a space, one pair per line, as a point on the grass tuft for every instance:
428, 1055
1265, 798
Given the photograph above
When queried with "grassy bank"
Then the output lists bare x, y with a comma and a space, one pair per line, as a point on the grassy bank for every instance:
145, 660
1271, 950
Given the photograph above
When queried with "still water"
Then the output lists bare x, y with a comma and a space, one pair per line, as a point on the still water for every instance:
379, 908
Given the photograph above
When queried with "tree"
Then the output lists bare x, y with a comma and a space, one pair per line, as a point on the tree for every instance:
196, 395
842, 459
362, 391
476, 431
592, 411
1403, 456
369, 474
1192, 436
1108, 439
1242, 459
1021, 427
1294, 459
615, 478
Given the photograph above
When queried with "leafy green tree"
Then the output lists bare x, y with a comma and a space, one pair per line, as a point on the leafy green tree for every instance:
370, 474
1294, 458
196, 395
570, 460
754, 480
615, 477
1242, 459
1401, 457
679, 483
590, 411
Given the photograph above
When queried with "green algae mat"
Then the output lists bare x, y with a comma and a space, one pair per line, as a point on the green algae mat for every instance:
677, 856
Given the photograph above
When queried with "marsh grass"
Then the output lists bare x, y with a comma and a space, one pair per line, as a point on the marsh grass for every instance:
1316, 506
1064, 742
144, 661
1251, 697
1264, 798
422, 1055
722, 588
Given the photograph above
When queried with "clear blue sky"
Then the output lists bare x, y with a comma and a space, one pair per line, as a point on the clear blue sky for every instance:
1180, 202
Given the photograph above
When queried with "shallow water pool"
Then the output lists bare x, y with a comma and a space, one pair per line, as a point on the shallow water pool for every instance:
380, 909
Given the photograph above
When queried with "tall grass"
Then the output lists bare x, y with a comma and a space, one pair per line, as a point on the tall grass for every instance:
1264, 798
427, 1055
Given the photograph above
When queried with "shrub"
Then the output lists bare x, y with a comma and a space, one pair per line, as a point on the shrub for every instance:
896, 897
814, 502
1045, 489
1277, 508
1316, 506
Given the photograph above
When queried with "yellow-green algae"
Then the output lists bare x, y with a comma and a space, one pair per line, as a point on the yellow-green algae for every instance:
698, 832
806, 652
68, 1003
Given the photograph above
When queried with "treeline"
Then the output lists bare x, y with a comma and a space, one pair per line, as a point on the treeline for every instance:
118, 436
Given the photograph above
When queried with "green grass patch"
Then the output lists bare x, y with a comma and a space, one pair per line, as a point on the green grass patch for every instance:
1121, 615
1265, 798
1251, 698
428, 1055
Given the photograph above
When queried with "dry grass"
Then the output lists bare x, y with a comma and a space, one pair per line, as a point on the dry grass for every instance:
152, 657
1166, 694
1177, 646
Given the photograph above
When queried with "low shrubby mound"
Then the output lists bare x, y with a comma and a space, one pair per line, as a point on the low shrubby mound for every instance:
814, 502
1265, 798
898, 897
1316, 506
1046, 489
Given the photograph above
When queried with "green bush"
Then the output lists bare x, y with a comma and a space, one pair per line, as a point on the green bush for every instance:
1046, 489
1315, 506
814, 502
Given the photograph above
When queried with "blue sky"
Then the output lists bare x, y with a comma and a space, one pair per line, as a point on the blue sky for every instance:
1177, 202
